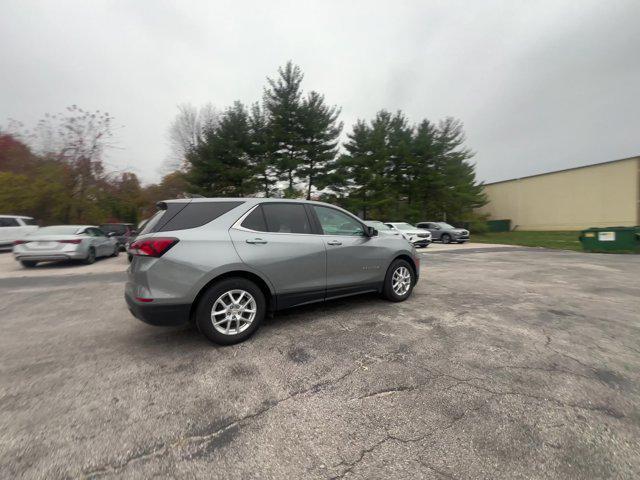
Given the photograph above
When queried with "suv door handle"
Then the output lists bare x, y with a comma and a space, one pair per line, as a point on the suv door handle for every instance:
334, 242
258, 241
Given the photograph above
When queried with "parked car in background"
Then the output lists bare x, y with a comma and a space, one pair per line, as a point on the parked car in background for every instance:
14, 227
382, 228
445, 233
141, 226
417, 236
224, 263
64, 242
122, 232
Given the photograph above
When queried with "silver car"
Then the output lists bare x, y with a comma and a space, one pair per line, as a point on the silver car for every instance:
64, 242
224, 263
445, 233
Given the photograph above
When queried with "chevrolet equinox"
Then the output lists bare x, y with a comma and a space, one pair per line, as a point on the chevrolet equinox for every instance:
224, 263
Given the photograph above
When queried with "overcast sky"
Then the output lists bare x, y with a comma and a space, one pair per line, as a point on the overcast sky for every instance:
540, 86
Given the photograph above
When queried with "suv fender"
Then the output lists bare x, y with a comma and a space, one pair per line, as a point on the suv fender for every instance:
235, 270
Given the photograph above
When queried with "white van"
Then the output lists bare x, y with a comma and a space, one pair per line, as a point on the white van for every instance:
14, 227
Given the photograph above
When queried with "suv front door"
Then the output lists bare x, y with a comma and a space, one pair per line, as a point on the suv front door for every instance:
354, 261
277, 240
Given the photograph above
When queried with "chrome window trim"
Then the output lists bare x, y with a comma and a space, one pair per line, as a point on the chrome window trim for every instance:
238, 224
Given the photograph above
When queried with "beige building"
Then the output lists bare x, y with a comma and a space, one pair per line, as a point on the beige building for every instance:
600, 195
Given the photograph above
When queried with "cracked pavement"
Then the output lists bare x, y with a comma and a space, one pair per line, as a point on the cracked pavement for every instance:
505, 363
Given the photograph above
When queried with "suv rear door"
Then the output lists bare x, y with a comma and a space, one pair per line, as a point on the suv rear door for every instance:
277, 239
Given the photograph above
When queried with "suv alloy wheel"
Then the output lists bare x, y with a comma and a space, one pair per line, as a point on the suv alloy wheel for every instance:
230, 311
399, 281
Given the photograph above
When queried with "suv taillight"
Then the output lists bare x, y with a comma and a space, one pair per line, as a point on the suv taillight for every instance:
152, 247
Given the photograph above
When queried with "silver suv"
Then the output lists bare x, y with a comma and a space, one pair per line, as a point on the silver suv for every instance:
224, 263
444, 232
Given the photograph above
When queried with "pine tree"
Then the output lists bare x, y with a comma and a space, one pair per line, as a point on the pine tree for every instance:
360, 177
260, 151
426, 172
320, 133
393, 170
349, 176
220, 164
282, 103
399, 159
459, 192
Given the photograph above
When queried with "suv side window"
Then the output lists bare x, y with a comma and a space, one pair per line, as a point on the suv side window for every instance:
8, 222
196, 214
334, 222
255, 220
286, 218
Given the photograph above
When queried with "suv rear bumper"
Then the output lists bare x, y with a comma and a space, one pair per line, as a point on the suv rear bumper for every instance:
162, 315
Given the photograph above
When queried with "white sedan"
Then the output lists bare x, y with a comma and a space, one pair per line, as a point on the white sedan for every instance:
417, 236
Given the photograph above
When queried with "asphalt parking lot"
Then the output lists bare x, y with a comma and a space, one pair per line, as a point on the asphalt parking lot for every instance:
505, 363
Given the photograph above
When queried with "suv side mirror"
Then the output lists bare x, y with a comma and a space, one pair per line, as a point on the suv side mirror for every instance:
371, 232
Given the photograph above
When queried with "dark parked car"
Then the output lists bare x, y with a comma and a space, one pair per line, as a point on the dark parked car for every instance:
444, 232
122, 232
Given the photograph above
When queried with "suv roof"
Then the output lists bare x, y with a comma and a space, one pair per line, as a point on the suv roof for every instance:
243, 199
249, 201
16, 216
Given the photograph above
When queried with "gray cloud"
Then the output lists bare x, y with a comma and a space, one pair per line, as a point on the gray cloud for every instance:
539, 85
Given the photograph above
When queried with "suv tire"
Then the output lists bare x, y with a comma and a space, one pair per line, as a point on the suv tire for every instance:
223, 292
28, 263
446, 238
398, 270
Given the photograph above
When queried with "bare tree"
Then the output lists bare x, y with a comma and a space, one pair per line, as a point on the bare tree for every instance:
187, 130
78, 139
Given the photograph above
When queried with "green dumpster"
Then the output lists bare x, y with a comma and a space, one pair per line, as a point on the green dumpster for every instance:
499, 225
611, 239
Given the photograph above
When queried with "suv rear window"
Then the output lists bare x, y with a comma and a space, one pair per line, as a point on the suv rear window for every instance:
255, 220
286, 218
9, 222
181, 216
